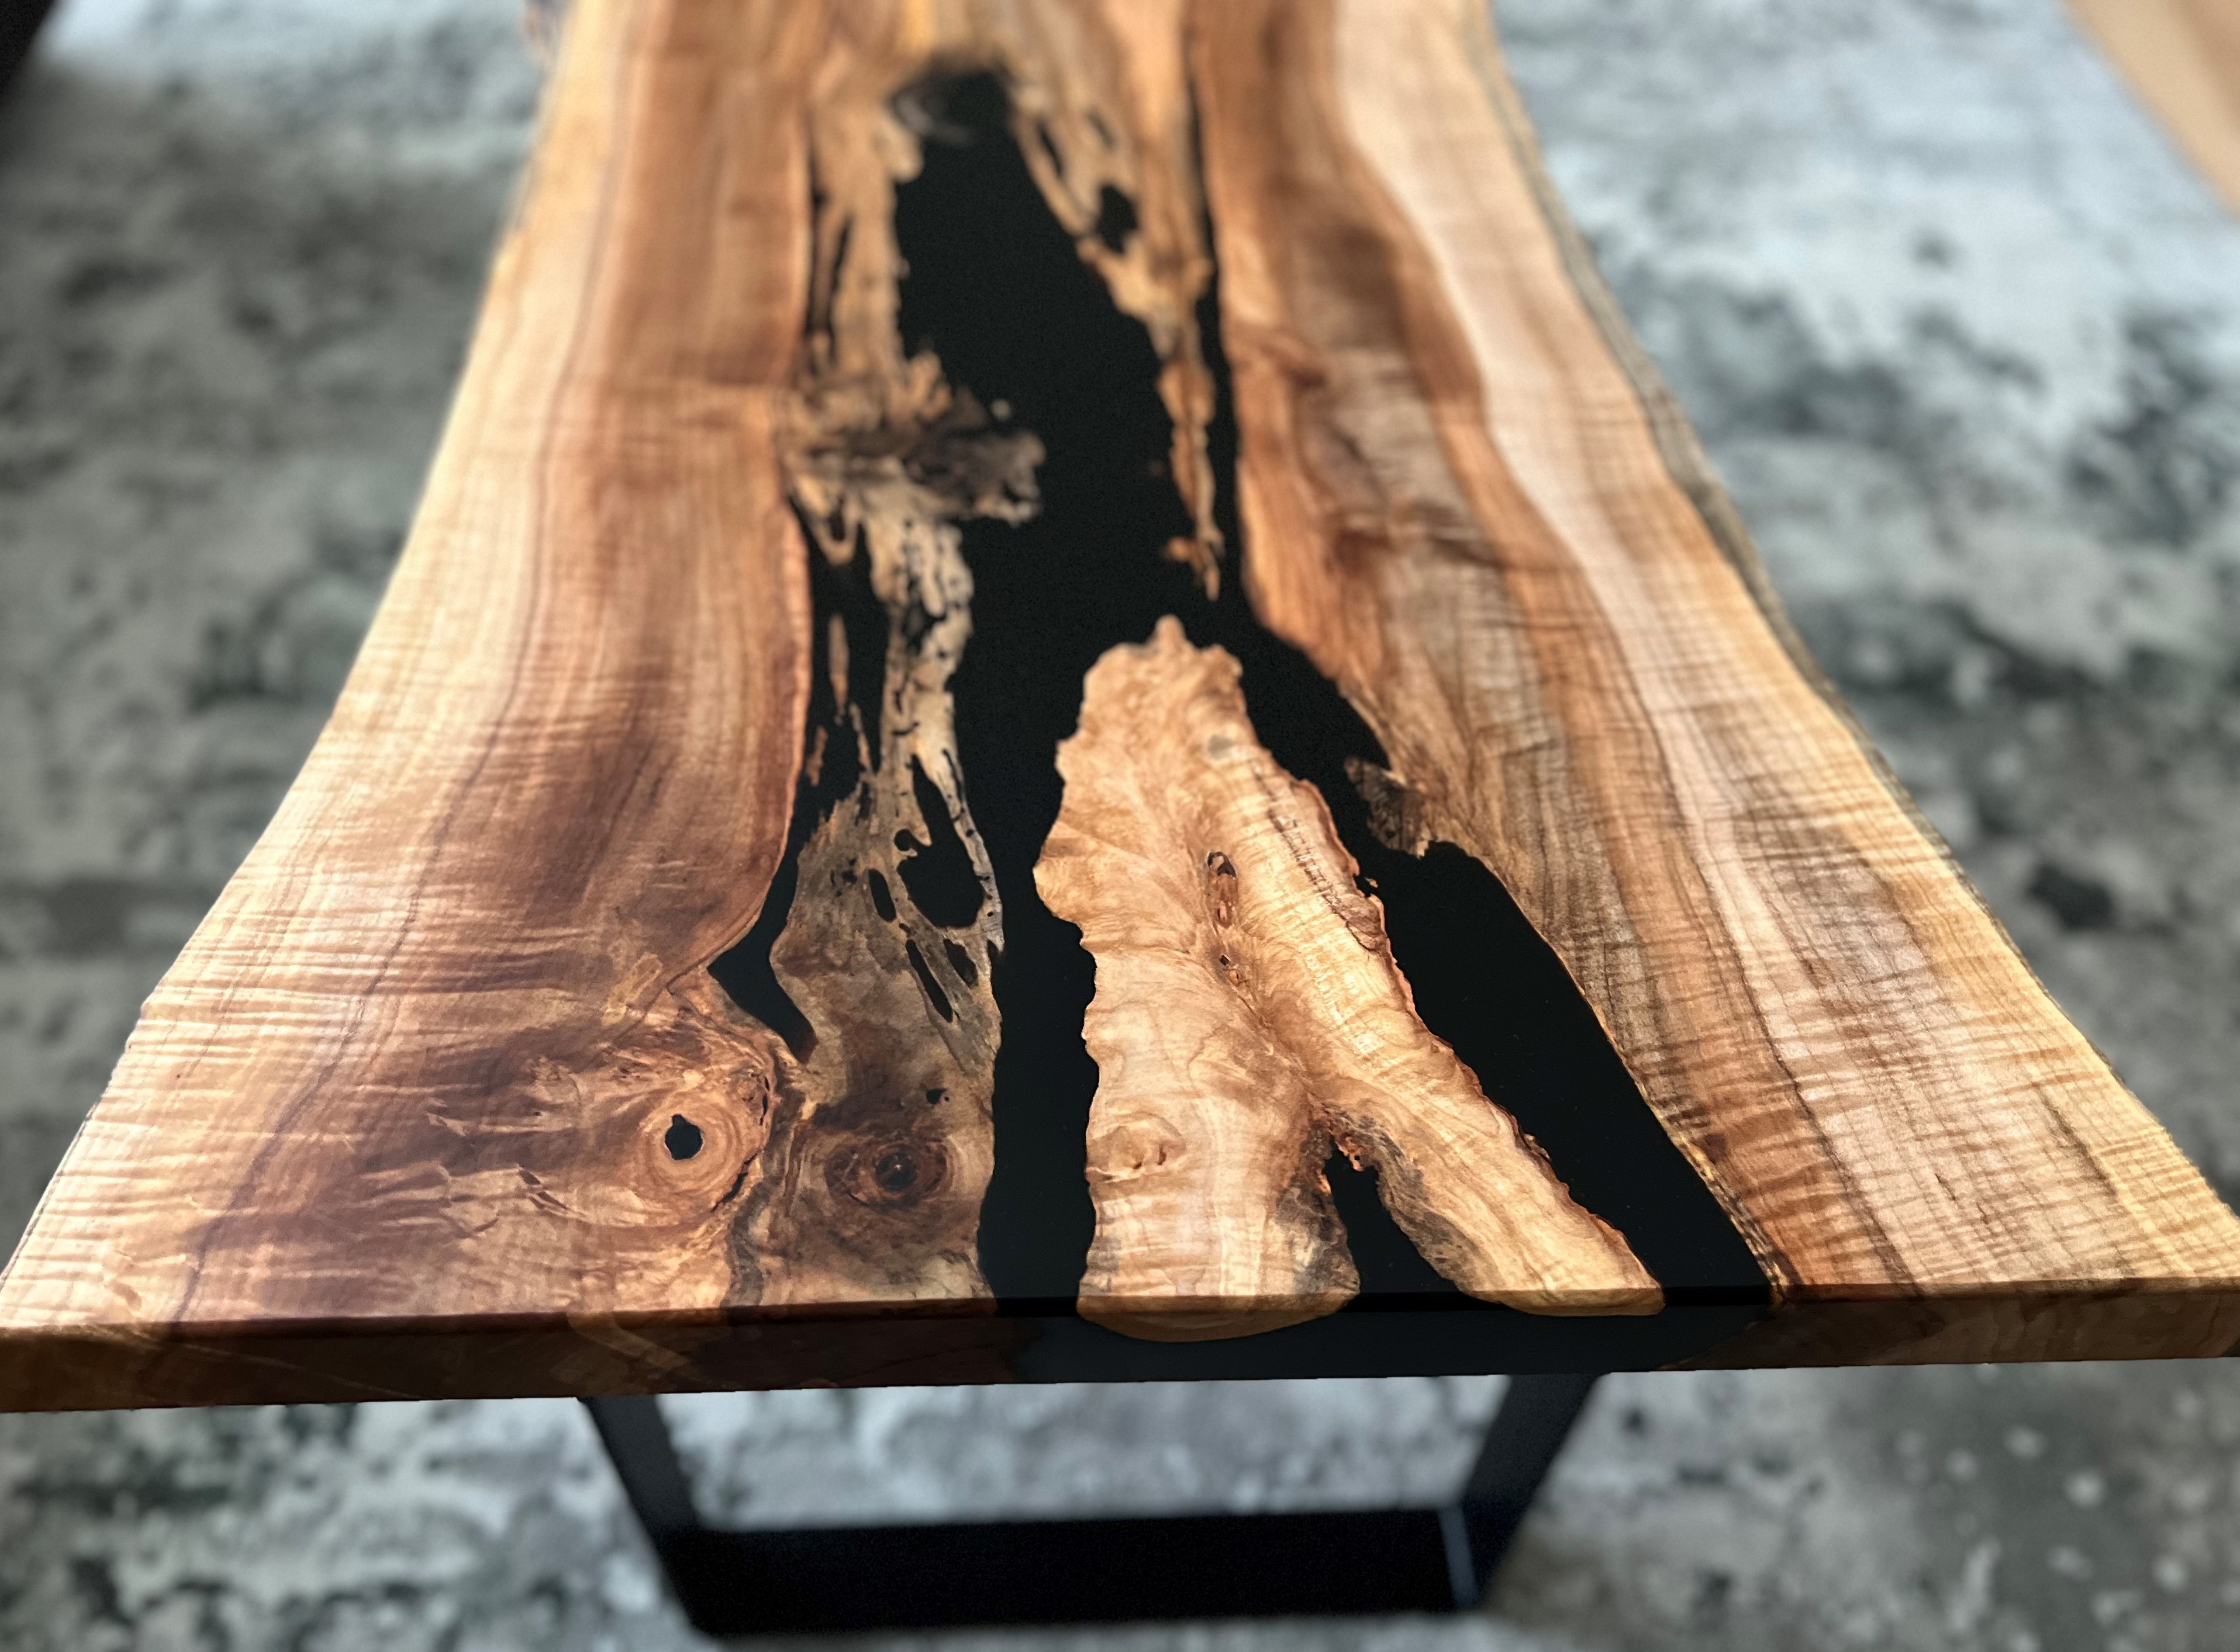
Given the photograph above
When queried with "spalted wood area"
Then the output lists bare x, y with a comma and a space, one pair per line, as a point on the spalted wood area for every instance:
1065, 705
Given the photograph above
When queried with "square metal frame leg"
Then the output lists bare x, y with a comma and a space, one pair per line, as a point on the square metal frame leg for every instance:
1090, 1571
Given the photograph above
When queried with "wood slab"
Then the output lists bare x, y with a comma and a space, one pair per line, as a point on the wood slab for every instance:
1066, 705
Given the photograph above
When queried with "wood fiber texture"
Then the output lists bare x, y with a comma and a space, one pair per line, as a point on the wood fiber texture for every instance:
443, 1098
1483, 541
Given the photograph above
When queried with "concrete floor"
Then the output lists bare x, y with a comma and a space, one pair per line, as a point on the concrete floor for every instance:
1963, 335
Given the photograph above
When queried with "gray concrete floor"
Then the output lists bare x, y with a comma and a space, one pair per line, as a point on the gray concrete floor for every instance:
1965, 338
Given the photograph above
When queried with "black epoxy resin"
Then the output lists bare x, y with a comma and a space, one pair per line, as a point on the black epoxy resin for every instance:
997, 288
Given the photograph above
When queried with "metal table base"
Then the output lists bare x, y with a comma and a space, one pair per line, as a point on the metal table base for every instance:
843, 1578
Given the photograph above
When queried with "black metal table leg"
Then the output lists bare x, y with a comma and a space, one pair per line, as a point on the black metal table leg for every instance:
1536, 1417
1085, 1571
638, 1443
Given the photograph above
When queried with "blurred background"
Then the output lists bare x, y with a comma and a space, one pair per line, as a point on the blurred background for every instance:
1958, 326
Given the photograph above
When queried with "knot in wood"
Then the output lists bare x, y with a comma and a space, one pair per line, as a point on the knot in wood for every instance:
1221, 888
893, 1174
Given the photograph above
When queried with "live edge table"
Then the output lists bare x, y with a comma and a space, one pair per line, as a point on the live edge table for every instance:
1066, 707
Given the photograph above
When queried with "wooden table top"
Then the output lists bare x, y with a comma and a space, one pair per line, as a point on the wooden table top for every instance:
1066, 705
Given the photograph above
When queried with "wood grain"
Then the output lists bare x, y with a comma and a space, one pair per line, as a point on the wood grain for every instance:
1249, 1015
446, 1055
2182, 59
422, 1057
886, 460
1458, 503
615, 1000
422, 1063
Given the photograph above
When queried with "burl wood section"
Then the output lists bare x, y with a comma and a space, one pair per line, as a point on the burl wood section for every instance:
1249, 1014
442, 1097
2182, 58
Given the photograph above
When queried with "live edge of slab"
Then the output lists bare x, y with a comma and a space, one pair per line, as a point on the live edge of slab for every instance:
1066, 706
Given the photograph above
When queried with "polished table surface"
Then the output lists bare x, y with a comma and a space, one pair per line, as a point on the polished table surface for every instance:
1066, 706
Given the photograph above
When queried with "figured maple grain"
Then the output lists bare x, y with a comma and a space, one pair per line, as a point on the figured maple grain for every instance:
421, 1060
550, 790
2182, 59
1457, 500
1249, 1014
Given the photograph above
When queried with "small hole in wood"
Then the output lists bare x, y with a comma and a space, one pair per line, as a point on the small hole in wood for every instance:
1116, 219
893, 1175
683, 1138
881, 897
961, 960
933, 995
